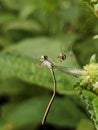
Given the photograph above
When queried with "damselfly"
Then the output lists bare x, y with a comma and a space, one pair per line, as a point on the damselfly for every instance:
45, 61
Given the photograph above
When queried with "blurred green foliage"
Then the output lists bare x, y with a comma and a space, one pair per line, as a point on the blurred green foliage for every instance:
29, 29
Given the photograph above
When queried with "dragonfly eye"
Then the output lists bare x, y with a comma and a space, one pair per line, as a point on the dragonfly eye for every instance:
62, 56
44, 57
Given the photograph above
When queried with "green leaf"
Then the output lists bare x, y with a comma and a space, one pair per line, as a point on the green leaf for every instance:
93, 4
36, 47
93, 58
95, 107
85, 124
31, 112
27, 10
27, 25
20, 63
4, 43
11, 86
11, 4
86, 0
6, 17
25, 69
88, 95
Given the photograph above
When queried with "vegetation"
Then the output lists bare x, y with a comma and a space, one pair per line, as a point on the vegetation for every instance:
30, 29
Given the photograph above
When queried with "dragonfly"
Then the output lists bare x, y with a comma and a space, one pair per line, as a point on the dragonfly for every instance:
46, 62
62, 56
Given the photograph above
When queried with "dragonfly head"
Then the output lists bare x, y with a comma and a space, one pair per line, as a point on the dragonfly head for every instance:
61, 56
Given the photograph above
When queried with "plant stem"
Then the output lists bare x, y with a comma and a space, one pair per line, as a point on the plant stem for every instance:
52, 98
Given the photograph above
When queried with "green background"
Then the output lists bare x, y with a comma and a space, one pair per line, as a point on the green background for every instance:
28, 30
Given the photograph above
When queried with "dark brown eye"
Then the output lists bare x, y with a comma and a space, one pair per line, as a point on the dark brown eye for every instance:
44, 57
62, 56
